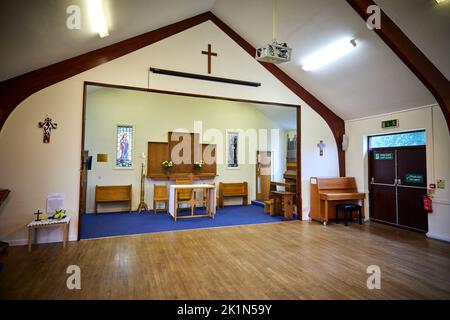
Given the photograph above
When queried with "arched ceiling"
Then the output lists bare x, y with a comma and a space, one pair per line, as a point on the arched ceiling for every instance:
371, 80
33, 33
427, 24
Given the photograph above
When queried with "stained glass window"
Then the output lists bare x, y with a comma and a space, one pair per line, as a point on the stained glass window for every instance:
417, 138
292, 147
232, 149
124, 144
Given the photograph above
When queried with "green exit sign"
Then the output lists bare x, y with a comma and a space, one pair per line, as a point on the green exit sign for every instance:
384, 156
414, 178
389, 124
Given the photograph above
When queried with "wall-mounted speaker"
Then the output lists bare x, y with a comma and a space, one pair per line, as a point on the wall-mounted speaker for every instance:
345, 142
89, 163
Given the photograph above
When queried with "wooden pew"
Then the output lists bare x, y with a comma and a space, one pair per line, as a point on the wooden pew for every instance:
327, 192
112, 194
233, 190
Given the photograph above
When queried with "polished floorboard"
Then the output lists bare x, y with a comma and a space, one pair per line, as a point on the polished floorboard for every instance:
289, 260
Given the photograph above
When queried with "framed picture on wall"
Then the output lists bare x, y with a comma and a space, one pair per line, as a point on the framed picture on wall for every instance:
124, 146
232, 151
291, 147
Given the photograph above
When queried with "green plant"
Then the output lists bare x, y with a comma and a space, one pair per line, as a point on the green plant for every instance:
167, 164
199, 164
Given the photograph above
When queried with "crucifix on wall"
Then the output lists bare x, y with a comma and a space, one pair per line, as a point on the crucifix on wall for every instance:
321, 145
210, 54
48, 125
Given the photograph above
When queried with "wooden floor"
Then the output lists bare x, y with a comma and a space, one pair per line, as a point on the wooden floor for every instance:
291, 260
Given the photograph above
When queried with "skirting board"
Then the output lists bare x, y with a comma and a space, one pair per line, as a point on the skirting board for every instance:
438, 237
23, 242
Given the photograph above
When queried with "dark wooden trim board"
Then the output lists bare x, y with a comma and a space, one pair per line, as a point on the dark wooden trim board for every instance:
185, 94
15, 90
414, 59
83, 128
299, 165
335, 123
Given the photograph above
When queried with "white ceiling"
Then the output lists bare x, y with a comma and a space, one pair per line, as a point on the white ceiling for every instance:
285, 117
427, 25
371, 80
33, 33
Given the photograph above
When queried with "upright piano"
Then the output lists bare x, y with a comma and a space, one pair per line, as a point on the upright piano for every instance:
327, 192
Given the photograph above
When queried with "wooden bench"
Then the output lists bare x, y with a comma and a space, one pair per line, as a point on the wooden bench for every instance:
112, 194
233, 190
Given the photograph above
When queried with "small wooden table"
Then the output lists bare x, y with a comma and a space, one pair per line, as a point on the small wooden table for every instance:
49, 223
288, 200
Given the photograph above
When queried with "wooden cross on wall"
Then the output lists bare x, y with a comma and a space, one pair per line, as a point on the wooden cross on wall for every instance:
210, 54
48, 125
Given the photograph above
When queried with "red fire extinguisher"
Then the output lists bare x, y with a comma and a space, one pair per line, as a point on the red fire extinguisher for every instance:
427, 204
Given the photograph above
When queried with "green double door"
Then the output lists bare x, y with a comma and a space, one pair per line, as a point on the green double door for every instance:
397, 184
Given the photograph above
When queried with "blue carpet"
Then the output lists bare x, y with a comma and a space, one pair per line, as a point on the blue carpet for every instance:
258, 202
115, 224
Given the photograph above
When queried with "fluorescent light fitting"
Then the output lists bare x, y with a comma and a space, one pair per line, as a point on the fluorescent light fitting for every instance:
440, 1
330, 53
97, 16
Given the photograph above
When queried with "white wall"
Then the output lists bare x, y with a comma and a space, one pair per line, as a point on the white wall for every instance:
32, 169
432, 120
314, 165
152, 116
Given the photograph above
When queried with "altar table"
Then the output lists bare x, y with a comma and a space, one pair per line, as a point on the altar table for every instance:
210, 198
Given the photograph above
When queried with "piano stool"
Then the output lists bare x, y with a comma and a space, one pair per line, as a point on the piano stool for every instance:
349, 208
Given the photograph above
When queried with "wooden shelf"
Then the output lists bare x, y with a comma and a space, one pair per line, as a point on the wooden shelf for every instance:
161, 151
200, 176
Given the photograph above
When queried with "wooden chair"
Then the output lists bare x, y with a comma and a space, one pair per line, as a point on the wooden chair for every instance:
269, 206
185, 196
160, 194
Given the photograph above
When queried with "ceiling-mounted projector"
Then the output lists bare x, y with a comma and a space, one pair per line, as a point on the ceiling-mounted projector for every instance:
274, 53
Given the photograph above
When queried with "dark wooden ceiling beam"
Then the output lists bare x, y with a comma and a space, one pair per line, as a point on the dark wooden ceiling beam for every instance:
336, 124
408, 52
15, 90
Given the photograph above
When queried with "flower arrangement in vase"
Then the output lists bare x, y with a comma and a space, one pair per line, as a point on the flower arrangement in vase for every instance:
167, 165
199, 165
